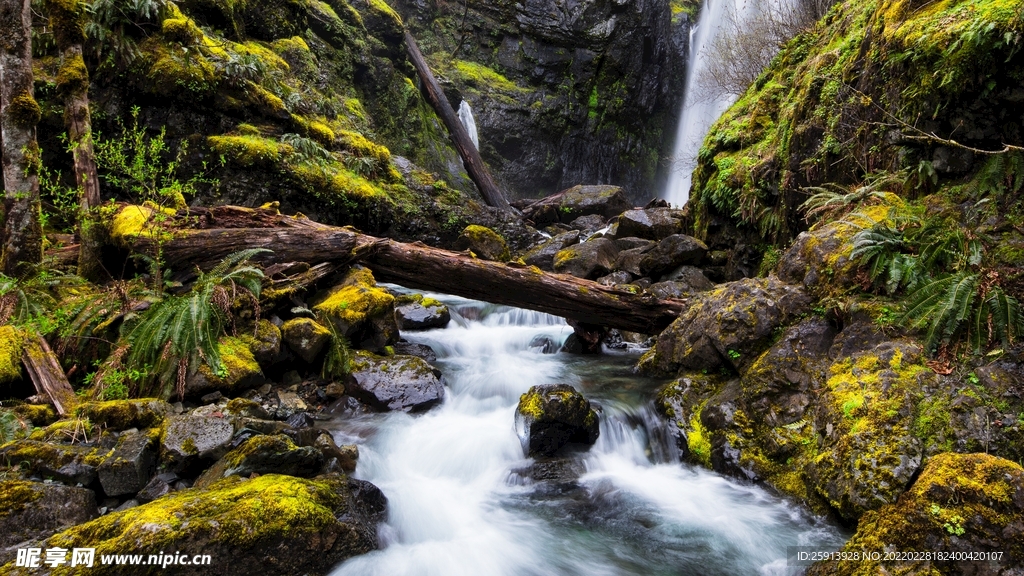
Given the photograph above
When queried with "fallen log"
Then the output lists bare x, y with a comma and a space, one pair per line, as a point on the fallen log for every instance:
47, 376
474, 164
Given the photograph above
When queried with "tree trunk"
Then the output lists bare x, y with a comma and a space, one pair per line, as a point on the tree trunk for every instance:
460, 137
67, 18
19, 114
47, 375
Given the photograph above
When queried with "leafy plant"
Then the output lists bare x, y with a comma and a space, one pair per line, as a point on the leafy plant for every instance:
338, 360
832, 200
115, 25
179, 331
308, 150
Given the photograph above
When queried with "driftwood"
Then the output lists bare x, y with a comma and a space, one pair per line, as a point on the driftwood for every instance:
47, 375
460, 137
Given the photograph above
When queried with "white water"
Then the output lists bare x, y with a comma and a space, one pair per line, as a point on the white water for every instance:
457, 508
466, 117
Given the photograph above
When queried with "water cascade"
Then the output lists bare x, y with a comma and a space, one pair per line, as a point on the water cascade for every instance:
462, 499
466, 117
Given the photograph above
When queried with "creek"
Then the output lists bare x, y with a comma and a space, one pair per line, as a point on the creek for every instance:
464, 500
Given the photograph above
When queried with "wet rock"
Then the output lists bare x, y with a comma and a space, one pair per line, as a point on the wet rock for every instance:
652, 224
246, 408
128, 468
691, 276
484, 242
629, 260
961, 503
360, 311
568, 205
590, 259
405, 383
265, 454
543, 255
305, 337
32, 511
550, 416
617, 277
346, 456
543, 344
288, 404
273, 524
412, 349
241, 371
74, 464
632, 242
563, 472
125, 414
414, 312
264, 342
728, 326
189, 439
588, 224
672, 252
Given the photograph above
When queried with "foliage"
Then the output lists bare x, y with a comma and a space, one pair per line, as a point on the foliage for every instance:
338, 359
30, 303
831, 200
115, 25
308, 150
179, 331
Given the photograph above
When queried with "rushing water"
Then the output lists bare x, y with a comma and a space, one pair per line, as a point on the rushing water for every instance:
462, 499
466, 117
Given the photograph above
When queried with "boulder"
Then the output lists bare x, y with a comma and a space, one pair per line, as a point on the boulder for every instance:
127, 469
590, 259
124, 414
241, 371
484, 243
263, 454
550, 416
629, 260
344, 456
728, 326
617, 277
360, 310
405, 383
264, 341
414, 312
32, 511
71, 464
568, 205
632, 242
305, 337
960, 504
157, 487
272, 525
690, 275
651, 223
190, 438
423, 351
672, 252
588, 224
543, 254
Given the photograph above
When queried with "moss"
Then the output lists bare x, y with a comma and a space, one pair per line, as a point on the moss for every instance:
285, 45
12, 342
266, 102
242, 406
15, 495
322, 133
73, 77
67, 19
483, 78
486, 242
182, 30
381, 7
238, 362
173, 71
698, 440
24, 111
249, 150
133, 222
71, 430
247, 130
125, 414
38, 414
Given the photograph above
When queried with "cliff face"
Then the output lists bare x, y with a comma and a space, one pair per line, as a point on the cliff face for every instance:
563, 92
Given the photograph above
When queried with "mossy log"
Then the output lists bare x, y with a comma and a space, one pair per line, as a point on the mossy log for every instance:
460, 137
47, 375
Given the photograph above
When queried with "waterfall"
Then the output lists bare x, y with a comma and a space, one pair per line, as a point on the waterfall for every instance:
466, 117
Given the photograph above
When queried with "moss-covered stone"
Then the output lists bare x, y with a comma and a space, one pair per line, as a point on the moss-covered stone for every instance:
265, 454
360, 311
124, 414
70, 430
484, 243
249, 150
38, 414
306, 337
11, 344
549, 417
961, 503
32, 511
240, 370
74, 464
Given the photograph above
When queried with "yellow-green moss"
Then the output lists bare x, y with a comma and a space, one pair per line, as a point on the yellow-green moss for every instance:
237, 360
249, 150
265, 101
24, 111
381, 7
124, 414
482, 78
132, 222
38, 414
321, 132
182, 30
285, 45
12, 342
698, 440
247, 129
356, 299
71, 430
67, 19
15, 494
172, 71
73, 76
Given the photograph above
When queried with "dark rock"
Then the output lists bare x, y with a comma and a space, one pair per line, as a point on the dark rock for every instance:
617, 277
629, 260
361, 311
484, 242
671, 289
265, 454
125, 414
265, 342
414, 312
632, 242
405, 383
559, 471
568, 205
672, 252
130, 503
590, 259
543, 255
550, 416
128, 468
652, 224
211, 397
543, 344
305, 337
412, 349
157, 487
32, 511
246, 408
301, 420
288, 403
691, 276
346, 456
75, 464
588, 224
192, 438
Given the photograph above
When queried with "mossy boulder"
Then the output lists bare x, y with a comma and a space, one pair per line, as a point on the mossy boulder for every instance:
125, 414
265, 454
961, 503
264, 341
650, 223
591, 259
38, 414
359, 310
11, 344
415, 312
568, 205
305, 337
241, 371
189, 440
551, 416
33, 511
405, 383
273, 524
484, 243
128, 468
543, 255
726, 327
71, 464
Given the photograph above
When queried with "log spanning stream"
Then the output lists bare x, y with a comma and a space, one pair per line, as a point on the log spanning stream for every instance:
463, 500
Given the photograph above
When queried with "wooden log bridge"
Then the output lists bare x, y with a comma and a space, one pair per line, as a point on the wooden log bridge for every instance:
414, 265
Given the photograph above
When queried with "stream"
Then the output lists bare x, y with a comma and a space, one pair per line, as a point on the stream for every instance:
463, 499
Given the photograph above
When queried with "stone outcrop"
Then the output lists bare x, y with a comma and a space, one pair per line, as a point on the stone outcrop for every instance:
549, 417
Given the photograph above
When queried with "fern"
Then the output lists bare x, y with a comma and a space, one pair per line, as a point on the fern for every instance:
941, 306
180, 331
338, 360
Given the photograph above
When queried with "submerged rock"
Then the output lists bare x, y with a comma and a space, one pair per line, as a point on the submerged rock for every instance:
32, 511
550, 416
484, 242
405, 383
961, 503
415, 312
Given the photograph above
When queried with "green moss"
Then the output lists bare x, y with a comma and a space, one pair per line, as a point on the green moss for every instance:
698, 440
38, 414
12, 341
173, 71
381, 7
322, 133
133, 222
67, 19
24, 111
73, 77
238, 362
125, 414
15, 495
182, 30
71, 430
247, 130
249, 150
482, 77
356, 299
